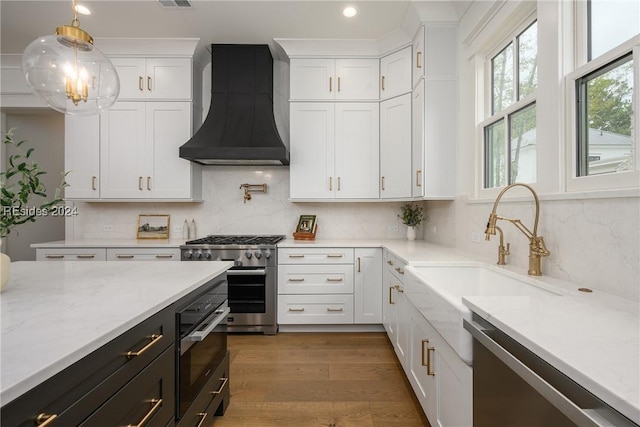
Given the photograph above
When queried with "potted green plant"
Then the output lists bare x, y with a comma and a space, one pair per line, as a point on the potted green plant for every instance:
411, 216
23, 195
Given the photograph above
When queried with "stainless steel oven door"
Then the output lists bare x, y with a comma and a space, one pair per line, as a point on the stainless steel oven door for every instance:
252, 299
200, 353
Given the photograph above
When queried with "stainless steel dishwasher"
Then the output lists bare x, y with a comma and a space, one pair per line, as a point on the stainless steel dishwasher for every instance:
514, 387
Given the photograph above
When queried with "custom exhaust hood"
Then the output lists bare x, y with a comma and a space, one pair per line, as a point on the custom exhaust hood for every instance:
240, 128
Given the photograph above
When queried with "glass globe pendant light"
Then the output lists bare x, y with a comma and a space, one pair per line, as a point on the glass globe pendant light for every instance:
69, 73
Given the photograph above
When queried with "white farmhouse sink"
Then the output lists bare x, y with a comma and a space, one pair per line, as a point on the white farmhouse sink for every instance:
437, 291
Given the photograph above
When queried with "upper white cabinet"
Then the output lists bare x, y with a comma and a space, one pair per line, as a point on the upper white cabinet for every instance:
139, 151
334, 150
395, 73
395, 147
334, 79
154, 78
417, 63
417, 140
82, 156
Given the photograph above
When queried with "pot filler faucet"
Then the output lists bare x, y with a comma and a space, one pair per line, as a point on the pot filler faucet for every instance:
537, 248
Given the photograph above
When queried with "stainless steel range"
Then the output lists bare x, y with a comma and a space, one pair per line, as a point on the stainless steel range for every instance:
252, 279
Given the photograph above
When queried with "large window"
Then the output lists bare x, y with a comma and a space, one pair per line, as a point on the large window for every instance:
604, 94
510, 132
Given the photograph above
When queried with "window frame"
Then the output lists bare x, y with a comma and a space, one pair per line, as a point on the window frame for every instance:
503, 115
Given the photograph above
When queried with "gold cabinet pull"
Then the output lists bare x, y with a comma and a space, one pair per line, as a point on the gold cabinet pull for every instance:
156, 405
204, 417
335, 309
330, 84
140, 83
149, 183
382, 82
164, 256
93, 183
334, 279
399, 289
338, 84
429, 370
224, 383
358, 264
85, 256
338, 183
43, 420
418, 59
423, 363
330, 183
54, 256
382, 183
389, 262
154, 339
296, 255
296, 279
149, 84
334, 255
140, 183
125, 256
296, 309
399, 270
391, 294
418, 180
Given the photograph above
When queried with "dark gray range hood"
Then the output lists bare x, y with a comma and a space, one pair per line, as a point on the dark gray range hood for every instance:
240, 128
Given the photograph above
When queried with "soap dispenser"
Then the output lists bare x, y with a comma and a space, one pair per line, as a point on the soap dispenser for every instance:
185, 230
192, 229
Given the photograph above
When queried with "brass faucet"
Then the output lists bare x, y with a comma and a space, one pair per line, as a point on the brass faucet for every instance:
537, 248
502, 251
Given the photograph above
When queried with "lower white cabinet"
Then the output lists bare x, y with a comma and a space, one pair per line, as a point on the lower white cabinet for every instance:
71, 254
108, 254
328, 286
143, 254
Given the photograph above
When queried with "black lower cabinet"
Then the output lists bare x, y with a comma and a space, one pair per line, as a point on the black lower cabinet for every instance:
212, 400
147, 400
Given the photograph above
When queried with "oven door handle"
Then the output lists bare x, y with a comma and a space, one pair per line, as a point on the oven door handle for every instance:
261, 272
213, 320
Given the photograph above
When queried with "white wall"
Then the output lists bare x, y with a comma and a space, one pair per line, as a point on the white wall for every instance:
594, 242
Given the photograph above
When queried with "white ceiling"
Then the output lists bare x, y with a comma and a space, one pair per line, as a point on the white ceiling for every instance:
213, 21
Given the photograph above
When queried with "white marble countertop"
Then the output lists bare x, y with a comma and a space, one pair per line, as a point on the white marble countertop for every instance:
55, 313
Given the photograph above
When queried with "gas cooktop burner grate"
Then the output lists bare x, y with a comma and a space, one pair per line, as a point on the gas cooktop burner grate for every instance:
236, 240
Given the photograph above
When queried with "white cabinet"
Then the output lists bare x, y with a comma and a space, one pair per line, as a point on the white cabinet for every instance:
82, 156
334, 79
417, 64
442, 382
395, 73
368, 286
139, 151
71, 254
154, 78
417, 140
334, 150
395, 147
395, 318
143, 254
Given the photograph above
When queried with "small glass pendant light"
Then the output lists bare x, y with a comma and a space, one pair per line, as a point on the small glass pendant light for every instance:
69, 73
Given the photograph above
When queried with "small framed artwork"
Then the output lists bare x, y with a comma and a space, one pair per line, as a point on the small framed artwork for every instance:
153, 226
306, 224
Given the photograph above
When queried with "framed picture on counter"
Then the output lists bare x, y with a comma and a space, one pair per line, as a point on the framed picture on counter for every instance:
153, 226
306, 224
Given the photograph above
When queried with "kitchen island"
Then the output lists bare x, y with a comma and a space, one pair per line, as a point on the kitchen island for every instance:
56, 314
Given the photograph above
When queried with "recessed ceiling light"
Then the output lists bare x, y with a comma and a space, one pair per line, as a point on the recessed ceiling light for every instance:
82, 10
349, 12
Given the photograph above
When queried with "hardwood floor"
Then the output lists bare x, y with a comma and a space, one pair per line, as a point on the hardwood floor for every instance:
318, 379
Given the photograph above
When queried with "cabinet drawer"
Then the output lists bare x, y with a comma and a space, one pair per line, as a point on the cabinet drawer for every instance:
315, 256
212, 400
77, 391
148, 399
315, 279
394, 265
72, 254
315, 309
143, 254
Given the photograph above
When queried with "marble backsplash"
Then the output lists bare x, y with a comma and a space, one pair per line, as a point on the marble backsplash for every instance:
593, 242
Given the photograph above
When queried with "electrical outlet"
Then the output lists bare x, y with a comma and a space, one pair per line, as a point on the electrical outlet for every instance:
392, 228
177, 228
475, 237
107, 228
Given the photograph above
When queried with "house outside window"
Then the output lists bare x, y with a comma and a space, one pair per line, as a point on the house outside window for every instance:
509, 133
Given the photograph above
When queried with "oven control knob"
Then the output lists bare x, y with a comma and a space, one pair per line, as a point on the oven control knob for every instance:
207, 254
188, 254
257, 254
248, 254
267, 254
198, 254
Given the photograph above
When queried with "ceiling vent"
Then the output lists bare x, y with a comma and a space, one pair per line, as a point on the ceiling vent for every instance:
175, 4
